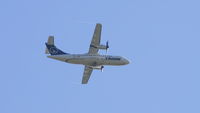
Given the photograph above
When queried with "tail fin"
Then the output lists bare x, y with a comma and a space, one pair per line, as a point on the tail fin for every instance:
49, 42
51, 48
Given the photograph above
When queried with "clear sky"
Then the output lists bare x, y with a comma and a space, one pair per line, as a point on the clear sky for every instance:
160, 37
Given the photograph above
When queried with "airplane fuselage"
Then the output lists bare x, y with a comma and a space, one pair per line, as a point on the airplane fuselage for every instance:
91, 60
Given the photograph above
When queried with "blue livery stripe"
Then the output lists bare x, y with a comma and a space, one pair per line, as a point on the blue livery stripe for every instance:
53, 50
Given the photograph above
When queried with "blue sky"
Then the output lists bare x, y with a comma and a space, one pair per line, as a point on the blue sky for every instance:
160, 37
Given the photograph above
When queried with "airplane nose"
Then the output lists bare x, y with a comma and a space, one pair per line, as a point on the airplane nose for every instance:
126, 61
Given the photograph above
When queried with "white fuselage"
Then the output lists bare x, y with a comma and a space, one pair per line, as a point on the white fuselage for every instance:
91, 60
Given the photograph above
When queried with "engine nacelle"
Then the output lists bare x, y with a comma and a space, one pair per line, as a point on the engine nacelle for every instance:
97, 67
103, 46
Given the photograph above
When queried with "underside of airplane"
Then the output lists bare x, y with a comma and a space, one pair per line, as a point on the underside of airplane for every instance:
91, 60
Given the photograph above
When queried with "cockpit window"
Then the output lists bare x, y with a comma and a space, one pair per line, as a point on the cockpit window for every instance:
112, 58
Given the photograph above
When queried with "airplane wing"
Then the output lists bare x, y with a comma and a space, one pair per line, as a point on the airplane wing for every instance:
95, 40
86, 74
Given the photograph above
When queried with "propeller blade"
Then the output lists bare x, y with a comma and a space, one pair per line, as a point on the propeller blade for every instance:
102, 68
107, 44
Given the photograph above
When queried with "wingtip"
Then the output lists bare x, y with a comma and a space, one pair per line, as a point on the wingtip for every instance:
84, 83
99, 24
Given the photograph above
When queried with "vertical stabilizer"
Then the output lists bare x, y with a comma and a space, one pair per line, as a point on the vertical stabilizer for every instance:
51, 48
49, 42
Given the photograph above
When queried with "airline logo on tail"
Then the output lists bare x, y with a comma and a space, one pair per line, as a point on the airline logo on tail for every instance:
51, 48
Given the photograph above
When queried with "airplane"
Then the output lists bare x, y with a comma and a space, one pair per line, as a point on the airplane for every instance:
91, 60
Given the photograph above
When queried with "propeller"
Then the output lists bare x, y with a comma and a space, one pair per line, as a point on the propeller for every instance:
102, 68
107, 46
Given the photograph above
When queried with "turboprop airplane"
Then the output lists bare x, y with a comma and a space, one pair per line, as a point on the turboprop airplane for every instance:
91, 60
